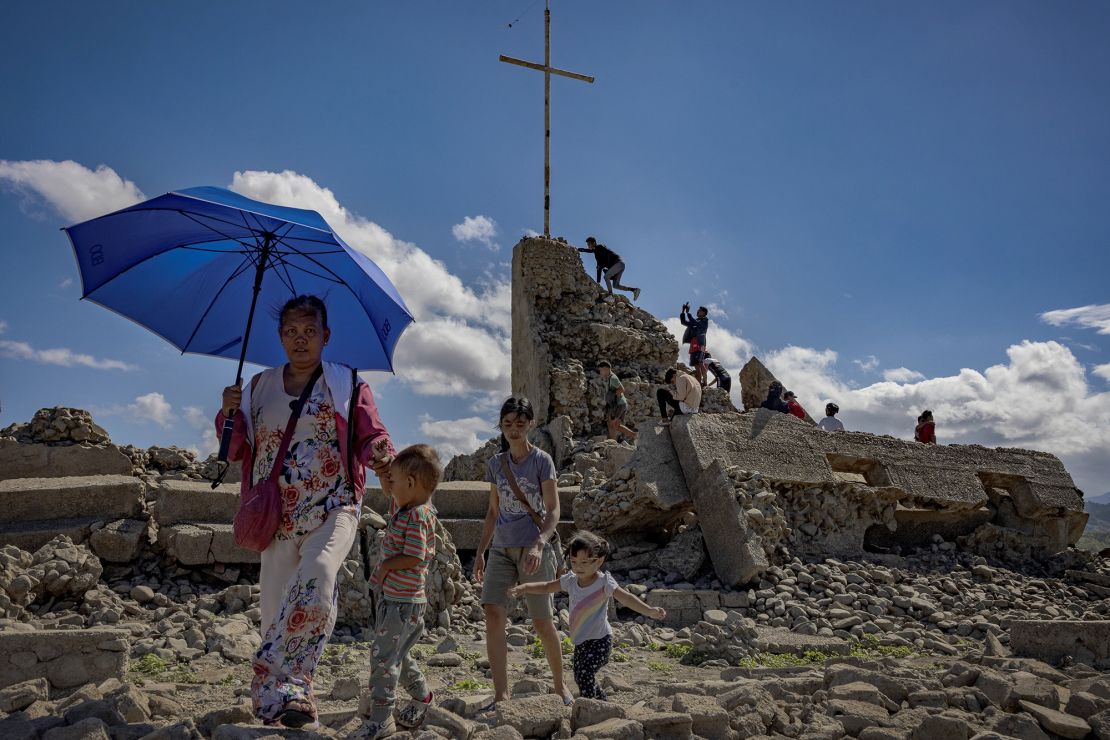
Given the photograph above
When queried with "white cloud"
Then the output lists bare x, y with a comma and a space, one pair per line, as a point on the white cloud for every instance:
58, 356
1089, 317
871, 363
477, 229
1102, 371
153, 407
3, 326
1038, 399
65, 284
453, 437
460, 341
902, 375
74, 190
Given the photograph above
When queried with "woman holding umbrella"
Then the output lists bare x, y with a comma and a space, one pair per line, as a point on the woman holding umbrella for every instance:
322, 482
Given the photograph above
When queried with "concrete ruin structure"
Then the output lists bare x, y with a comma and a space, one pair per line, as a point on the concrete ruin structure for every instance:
761, 484
564, 324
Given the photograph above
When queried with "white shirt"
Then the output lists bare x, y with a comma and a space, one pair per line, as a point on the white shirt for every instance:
831, 424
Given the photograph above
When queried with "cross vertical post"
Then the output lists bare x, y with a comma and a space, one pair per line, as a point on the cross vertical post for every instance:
547, 70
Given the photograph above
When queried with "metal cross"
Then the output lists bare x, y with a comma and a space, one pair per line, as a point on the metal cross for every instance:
547, 70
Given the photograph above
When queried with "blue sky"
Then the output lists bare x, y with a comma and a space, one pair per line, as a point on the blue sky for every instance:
895, 206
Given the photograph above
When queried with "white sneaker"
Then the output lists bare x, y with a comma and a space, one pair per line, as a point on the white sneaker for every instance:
373, 730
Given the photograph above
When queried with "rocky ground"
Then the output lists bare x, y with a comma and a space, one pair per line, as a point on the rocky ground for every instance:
913, 647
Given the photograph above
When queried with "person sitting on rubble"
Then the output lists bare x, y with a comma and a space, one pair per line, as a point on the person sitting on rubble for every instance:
520, 524
609, 265
830, 423
616, 405
925, 431
792, 406
695, 334
685, 400
774, 400
721, 378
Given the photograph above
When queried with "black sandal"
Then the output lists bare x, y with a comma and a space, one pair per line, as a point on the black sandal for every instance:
296, 714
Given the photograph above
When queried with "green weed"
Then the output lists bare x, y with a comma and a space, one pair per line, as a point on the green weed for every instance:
659, 666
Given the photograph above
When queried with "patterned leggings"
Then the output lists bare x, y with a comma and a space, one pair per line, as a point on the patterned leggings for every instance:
589, 658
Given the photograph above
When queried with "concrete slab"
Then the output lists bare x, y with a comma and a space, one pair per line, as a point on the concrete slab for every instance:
182, 501
201, 543
30, 536
45, 461
1051, 640
462, 499
66, 658
780, 641
99, 496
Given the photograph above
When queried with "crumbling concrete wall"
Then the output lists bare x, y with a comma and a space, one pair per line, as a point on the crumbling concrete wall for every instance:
564, 323
842, 492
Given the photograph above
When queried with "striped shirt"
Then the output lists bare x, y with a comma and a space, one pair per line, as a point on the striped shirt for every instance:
410, 532
589, 606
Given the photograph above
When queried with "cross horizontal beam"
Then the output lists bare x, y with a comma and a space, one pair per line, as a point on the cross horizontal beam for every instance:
541, 68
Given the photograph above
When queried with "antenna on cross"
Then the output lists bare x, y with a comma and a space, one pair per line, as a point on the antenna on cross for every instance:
547, 70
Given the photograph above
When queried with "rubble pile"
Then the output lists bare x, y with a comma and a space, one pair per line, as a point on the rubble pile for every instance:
58, 426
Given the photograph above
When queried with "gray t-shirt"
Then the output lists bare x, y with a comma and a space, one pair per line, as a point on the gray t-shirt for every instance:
515, 527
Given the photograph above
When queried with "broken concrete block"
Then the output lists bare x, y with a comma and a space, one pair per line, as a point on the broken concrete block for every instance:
118, 541
1051, 640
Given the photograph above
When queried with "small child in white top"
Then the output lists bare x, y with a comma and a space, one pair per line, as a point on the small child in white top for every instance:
590, 588
830, 423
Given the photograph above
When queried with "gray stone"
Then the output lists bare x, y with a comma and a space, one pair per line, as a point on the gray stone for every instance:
663, 725
857, 715
1084, 705
1051, 640
941, 727
16, 726
456, 726
684, 555
1064, 725
613, 729
533, 715
118, 541
88, 729
22, 695
66, 658
707, 717
1100, 724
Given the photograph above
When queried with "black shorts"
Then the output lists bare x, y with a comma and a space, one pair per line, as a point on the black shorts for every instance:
696, 359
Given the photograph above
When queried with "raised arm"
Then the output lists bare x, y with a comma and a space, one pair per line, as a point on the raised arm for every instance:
635, 603
540, 587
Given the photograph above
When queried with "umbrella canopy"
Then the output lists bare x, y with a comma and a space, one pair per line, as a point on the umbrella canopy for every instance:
186, 266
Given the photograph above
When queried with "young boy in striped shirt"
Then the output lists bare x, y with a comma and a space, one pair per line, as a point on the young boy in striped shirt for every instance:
590, 589
407, 550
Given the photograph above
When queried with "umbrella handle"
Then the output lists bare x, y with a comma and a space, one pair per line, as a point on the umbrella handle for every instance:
225, 445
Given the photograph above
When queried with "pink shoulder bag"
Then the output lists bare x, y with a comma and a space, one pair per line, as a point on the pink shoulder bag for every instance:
259, 513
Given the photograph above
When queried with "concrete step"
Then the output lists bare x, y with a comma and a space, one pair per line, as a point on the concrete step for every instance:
466, 533
105, 497
30, 536
462, 499
195, 501
204, 543
66, 658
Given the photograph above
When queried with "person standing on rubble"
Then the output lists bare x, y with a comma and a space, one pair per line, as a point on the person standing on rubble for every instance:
696, 331
322, 481
520, 524
609, 265
616, 405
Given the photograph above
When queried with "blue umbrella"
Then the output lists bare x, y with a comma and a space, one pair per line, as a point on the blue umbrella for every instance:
189, 265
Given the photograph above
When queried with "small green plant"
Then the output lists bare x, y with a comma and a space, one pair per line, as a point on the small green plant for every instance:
421, 652
149, 665
469, 654
469, 684
652, 645
659, 666
536, 648
869, 647
678, 651
619, 656
783, 660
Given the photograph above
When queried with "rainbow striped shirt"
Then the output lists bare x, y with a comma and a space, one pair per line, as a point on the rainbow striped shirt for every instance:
589, 606
410, 532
